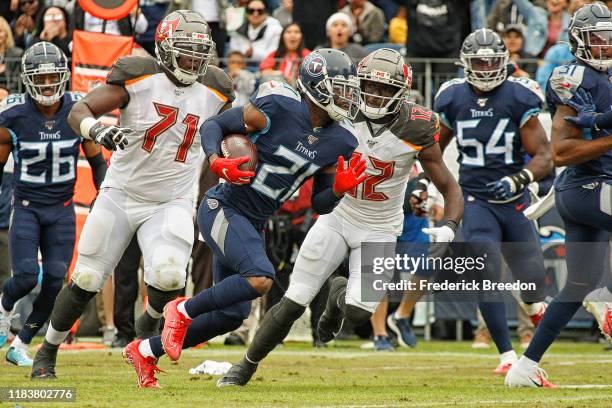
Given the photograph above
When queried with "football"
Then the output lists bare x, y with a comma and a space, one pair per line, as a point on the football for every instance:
237, 145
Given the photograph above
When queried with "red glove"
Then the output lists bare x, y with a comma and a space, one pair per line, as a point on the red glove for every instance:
349, 178
228, 169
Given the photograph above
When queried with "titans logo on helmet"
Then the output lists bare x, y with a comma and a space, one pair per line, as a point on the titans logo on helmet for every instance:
314, 64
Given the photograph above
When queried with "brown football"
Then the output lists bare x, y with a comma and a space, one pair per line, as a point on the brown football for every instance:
237, 145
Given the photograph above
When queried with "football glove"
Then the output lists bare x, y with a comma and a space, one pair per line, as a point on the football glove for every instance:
350, 177
228, 169
110, 137
509, 186
418, 197
441, 238
583, 103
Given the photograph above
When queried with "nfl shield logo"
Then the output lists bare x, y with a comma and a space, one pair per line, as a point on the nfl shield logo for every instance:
49, 124
312, 139
481, 102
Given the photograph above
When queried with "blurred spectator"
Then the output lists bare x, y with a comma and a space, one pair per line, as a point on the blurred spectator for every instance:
24, 26
284, 14
287, 58
368, 21
259, 35
310, 14
390, 8
154, 11
514, 38
244, 81
398, 27
8, 9
339, 28
53, 28
558, 21
135, 23
9, 60
532, 15
213, 12
558, 54
437, 27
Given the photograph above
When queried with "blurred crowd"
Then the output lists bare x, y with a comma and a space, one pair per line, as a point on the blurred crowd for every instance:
269, 38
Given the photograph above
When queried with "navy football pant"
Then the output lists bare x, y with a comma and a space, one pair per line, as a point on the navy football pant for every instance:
51, 228
485, 226
588, 223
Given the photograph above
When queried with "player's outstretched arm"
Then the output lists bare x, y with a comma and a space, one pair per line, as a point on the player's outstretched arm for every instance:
96, 162
435, 168
332, 182
241, 120
6, 145
83, 116
568, 146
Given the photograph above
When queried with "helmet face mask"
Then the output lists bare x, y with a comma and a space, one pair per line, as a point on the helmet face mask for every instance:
590, 36
484, 58
45, 73
385, 83
329, 79
184, 48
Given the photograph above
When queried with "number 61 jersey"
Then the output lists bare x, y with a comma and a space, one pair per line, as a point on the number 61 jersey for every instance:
163, 154
390, 151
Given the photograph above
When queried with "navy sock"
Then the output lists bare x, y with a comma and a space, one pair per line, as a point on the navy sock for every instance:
156, 346
231, 290
494, 315
215, 323
555, 319
41, 308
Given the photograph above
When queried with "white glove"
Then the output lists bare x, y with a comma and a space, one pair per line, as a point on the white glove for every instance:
440, 234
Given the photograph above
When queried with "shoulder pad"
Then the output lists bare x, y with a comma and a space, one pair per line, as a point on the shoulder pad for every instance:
218, 81
449, 84
528, 84
11, 101
416, 125
131, 67
277, 88
565, 80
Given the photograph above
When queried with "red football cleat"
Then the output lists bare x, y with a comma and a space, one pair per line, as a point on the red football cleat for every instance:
145, 366
175, 329
536, 318
502, 368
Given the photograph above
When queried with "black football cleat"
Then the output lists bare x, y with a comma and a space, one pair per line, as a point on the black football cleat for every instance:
43, 367
239, 375
331, 320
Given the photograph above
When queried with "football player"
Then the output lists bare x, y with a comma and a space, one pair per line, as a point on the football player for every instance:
583, 191
494, 118
148, 190
392, 134
298, 134
34, 126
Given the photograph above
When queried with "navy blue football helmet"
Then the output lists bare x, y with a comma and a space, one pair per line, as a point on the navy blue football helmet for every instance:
484, 57
329, 78
40, 59
590, 30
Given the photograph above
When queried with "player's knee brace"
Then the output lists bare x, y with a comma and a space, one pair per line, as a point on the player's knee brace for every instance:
166, 274
89, 279
356, 315
19, 285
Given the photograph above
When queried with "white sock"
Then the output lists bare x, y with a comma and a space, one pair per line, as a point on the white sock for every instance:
145, 349
55, 337
397, 316
181, 308
154, 313
533, 308
18, 344
526, 363
6, 313
508, 357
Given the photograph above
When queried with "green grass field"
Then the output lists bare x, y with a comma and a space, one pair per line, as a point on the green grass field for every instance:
436, 374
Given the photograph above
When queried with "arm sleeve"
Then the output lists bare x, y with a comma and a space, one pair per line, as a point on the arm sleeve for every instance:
98, 169
213, 130
323, 198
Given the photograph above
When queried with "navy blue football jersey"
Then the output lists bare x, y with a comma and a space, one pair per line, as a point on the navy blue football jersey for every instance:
289, 151
487, 128
562, 85
45, 150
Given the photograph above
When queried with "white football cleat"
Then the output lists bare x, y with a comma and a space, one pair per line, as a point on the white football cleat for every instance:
599, 304
534, 377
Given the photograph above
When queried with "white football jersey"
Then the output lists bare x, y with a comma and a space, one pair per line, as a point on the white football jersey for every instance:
164, 151
390, 152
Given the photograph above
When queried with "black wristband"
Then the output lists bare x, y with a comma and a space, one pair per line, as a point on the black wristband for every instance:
452, 225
